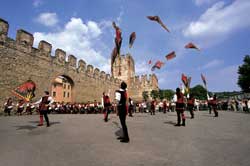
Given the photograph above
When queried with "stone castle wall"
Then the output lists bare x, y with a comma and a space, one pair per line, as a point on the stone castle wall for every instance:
20, 62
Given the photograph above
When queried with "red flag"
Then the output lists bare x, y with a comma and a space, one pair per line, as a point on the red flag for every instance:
204, 79
157, 65
25, 91
157, 19
184, 79
118, 37
191, 45
132, 39
149, 62
171, 55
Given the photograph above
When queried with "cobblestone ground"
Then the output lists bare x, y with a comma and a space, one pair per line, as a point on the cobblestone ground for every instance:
87, 140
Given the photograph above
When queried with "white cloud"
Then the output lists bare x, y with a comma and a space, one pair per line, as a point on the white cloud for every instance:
201, 2
47, 19
220, 20
37, 3
212, 64
80, 39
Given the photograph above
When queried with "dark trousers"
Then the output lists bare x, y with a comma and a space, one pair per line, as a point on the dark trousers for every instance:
180, 116
7, 110
106, 113
122, 116
191, 110
45, 114
216, 114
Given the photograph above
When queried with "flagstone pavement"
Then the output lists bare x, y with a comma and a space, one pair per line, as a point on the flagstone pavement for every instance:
86, 140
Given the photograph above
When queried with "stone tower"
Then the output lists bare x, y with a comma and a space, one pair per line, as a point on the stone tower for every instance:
123, 68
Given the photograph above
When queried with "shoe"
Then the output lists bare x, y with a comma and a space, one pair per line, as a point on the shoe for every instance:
183, 124
120, 138
48, 125
40, 125
177, 125
124, 140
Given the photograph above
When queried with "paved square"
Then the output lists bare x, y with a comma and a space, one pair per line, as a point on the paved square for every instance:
74, 140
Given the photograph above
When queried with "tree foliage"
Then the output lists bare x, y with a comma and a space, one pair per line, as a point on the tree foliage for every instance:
199, 92
244, 75
154, 94
145, 95
166, 94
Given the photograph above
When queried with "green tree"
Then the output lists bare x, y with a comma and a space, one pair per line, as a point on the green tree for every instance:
145, 95
199, 92
154, 94
244, 75
169, 94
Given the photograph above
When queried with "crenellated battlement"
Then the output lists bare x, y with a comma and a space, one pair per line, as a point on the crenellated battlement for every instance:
24, 43
40, 65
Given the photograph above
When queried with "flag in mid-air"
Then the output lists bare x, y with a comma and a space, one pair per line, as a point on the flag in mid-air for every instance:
204, 79
132, 39
150, 62
171, 55
157, 65
191, 45
184, 79
158, 20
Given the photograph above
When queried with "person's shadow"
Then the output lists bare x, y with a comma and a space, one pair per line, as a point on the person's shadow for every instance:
170, 122
25, 127
51, 123
118, 132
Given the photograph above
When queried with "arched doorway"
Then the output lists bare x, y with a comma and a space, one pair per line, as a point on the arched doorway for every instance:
62, 89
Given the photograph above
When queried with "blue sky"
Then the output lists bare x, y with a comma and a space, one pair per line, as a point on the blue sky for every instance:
83, 28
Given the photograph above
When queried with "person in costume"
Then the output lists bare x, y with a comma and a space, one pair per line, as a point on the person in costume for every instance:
20, 107
107, 106
214, 106
131, 107
179, 100
44, 104
190, 104
121, 97
8, 106
152, 110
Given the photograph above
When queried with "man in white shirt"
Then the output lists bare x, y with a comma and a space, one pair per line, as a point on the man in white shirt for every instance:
44, 104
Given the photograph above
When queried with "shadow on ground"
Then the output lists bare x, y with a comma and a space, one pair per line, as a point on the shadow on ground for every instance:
25, 127
170, 122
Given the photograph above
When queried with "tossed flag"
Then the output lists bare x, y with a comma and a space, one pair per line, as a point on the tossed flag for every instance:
118, 37
157, 65
157, 19
191, 45
150, 62
184, 79
25, 91
204, 79
132, 39
171, 56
